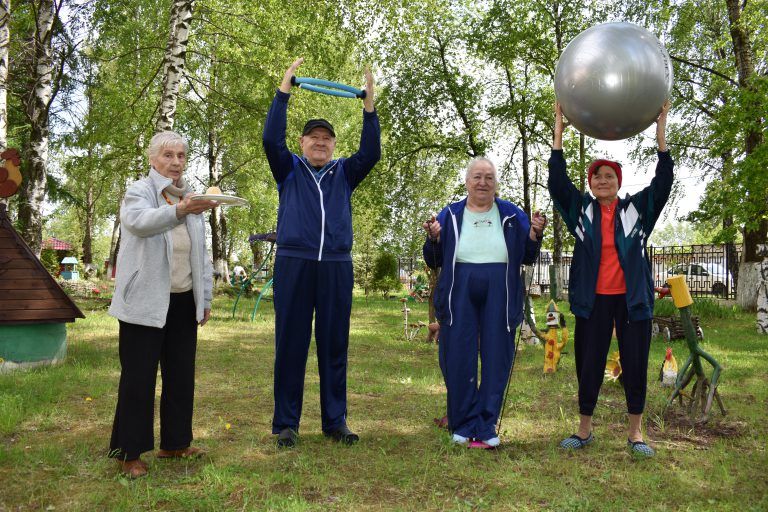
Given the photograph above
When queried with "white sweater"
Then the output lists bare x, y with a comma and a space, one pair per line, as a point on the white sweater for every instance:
143, 280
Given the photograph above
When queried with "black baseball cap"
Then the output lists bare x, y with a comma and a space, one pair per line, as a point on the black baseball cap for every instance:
318, 123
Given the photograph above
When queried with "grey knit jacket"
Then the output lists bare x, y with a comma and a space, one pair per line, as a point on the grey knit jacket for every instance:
143, 280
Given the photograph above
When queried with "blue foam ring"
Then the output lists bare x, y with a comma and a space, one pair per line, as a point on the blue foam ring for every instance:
327, 87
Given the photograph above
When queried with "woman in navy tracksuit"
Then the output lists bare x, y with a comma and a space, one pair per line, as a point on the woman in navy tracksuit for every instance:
480, 242
610, 278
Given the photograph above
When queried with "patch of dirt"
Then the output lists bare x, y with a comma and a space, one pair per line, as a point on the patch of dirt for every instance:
676, 426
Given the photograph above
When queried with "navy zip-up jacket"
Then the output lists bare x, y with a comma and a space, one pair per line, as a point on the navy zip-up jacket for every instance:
520, 250
314, 220
636, 215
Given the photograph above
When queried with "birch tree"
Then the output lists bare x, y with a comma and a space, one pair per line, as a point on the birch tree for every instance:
173, 62
37, 104
5, 33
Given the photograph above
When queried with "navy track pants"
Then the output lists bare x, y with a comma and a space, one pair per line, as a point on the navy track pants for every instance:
303, 288
592, 341
479, 306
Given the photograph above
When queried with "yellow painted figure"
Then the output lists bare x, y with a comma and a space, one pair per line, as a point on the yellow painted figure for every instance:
555, 338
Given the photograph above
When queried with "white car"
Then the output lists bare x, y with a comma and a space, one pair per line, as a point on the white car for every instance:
704, 277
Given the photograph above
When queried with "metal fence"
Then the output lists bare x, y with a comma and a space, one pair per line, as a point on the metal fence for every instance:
707, 268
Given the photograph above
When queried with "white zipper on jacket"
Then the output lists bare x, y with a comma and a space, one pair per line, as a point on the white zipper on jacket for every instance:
322, 205
506, 274
453, 264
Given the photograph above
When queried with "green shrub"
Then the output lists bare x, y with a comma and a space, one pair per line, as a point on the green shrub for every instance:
385, 278
704, 308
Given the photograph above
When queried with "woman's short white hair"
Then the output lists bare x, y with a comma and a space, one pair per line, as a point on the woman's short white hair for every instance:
476, 161
164, 139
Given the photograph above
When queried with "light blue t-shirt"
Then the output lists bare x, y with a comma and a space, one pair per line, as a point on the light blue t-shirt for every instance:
482, 238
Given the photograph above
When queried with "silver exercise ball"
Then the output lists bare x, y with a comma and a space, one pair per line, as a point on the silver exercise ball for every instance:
612, 80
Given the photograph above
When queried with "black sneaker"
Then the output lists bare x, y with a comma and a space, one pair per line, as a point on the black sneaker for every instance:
287, 438
343, 435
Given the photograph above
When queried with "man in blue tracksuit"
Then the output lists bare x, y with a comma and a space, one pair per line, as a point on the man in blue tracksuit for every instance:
313, 264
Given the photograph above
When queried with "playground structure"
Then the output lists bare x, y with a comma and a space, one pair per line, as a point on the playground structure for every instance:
33, 306
704, 390
245, 285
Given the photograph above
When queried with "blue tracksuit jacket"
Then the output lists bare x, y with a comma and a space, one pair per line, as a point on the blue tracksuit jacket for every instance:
636, 215
520, 250
314, 220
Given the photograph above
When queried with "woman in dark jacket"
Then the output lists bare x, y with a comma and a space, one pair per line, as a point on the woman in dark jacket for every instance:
480, 242
610, 277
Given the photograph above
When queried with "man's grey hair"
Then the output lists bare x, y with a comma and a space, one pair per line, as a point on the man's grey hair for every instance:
476, 161
164, 139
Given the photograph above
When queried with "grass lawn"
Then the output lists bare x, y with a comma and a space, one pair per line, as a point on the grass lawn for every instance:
55, 426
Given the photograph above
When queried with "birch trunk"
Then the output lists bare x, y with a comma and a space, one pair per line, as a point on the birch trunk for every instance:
5, 35
37, 104
173, 63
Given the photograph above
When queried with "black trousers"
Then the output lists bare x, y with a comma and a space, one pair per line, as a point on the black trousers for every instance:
141, 349
592, 341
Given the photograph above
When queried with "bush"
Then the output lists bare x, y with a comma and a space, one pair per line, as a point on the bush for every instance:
385, 278
703, 308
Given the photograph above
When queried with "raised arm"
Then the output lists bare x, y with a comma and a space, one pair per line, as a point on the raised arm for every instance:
360, 164
565, 195
654, 197
661, 127
279, 157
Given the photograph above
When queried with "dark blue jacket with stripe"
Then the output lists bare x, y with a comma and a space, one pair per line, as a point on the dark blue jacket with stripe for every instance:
636, 215
520, 250
314, 219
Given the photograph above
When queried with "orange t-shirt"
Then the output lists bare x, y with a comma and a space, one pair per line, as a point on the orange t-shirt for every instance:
610, 276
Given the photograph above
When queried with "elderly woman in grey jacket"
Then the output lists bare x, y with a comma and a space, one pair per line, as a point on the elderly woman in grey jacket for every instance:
162, 293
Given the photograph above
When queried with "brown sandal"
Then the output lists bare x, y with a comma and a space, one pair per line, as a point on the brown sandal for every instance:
136, 468
190, 452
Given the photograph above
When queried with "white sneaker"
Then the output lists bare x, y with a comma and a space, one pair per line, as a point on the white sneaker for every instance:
460, 439
493, 442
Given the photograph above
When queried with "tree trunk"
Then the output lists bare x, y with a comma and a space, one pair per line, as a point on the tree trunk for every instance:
88, 224
5, 9
5, 36
749, 280
753, 236
37, 102
173, 63
217, 221
557, 252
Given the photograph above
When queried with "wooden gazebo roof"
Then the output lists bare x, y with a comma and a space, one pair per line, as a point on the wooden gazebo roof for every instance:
28, 293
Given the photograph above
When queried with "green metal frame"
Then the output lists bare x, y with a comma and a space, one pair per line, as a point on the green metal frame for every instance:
247, 284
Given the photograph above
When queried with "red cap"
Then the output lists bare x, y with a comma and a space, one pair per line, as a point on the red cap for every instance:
616, 166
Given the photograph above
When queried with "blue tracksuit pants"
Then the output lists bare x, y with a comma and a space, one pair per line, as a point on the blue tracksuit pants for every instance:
479, 303
303, 288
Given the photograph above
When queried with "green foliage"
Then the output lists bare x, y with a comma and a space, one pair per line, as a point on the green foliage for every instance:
705, 308
722, 114
682, 233
385, 277
50, 261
